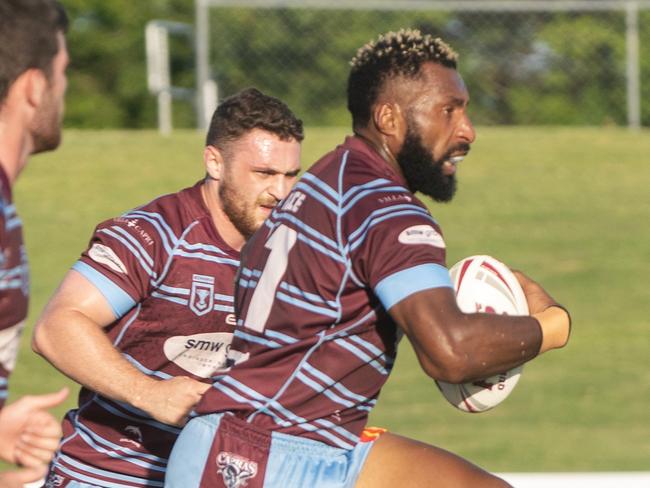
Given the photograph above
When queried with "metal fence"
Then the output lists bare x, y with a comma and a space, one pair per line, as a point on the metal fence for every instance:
525, 62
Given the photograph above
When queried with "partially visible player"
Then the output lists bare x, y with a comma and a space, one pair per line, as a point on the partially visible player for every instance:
350, 261
33, 60
145, 317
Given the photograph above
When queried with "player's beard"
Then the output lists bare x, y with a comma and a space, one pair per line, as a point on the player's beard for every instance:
421, 172
239, 210
46, 128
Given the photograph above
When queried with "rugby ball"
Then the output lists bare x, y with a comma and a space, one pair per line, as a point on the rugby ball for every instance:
485, 284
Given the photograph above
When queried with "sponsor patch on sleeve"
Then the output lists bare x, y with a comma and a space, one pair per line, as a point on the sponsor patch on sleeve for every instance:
105, 255
422, 234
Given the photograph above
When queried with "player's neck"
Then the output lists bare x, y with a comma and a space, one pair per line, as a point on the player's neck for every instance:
375, 141
15, 147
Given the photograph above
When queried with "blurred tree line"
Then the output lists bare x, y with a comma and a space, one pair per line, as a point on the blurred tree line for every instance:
520, 68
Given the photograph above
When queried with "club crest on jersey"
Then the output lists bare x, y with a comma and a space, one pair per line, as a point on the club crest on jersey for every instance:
202, 294
236, 470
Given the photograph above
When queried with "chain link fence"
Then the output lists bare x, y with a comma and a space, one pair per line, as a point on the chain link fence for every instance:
535, 64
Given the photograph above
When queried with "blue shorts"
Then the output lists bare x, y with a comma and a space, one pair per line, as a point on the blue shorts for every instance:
219, 450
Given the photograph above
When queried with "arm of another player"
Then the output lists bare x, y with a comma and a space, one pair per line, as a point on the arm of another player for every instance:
70, 335
456, 347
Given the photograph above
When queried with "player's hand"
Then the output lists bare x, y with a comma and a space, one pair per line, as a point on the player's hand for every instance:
538, 299
20, 477
29, 434
170, 401
554, 319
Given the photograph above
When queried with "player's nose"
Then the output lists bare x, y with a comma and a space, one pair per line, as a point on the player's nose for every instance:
466, 132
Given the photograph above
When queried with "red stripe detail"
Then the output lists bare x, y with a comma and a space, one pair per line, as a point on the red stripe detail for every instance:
494, 270
463, 270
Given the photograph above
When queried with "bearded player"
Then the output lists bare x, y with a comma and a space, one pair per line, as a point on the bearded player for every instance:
33, 61
145, 317
348, 262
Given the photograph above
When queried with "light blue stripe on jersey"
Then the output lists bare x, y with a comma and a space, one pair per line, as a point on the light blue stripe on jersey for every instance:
366, 186
316, 181
398, 286
4, 394
101, 472
321, 389
110, 453
159, 223
312, 297
316, 195
206, 257
153, 423
13, 223
359, 241
258, 340
120, 301
391, 189
314, 245
383, 211
306, 305
99, 439
204, 247
131, 249
280, 336
3, 382
145, 370
145, 255
363, 356
305, 228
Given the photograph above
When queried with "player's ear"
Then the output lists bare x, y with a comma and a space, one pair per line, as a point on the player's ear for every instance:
388, 119
29, 89
35, 86
213, 160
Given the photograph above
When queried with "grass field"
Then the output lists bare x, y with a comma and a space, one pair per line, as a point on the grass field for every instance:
568, 206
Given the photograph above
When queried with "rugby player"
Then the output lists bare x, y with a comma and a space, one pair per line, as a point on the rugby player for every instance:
33, 60
145, 317
349, 262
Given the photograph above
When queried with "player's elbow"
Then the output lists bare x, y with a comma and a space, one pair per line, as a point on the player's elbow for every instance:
41, 338
449, 360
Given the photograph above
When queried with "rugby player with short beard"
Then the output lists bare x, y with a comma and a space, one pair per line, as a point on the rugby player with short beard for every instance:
145, 317
33, 81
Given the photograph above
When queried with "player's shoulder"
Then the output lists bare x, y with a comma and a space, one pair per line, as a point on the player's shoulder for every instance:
161, 220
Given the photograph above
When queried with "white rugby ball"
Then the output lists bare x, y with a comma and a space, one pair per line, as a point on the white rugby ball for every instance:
485, 284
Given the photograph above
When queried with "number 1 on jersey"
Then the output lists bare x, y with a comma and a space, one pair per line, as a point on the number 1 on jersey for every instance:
259, 309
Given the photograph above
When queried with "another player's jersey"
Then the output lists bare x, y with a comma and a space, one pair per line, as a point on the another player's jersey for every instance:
312, 297
169, 278
14, 284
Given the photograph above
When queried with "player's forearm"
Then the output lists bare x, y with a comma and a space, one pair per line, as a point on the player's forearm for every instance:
474, 346
81, 350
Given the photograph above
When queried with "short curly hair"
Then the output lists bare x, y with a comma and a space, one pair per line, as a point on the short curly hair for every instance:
251, 109
393, 54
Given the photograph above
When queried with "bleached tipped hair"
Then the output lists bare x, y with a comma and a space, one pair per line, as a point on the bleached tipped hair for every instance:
393, 54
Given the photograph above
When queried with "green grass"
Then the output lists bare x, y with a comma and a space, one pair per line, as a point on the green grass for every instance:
568, 206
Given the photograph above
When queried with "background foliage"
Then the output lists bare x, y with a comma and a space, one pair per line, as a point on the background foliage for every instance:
521, 68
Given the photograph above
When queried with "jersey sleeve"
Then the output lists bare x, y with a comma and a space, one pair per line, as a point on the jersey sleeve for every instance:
397, 248
125, 259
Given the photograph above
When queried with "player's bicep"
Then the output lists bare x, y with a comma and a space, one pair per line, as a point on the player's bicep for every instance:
429, 318
78, 295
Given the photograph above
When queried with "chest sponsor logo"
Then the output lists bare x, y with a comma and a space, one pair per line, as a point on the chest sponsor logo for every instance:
202, 294
105, 255
236, 470
422, 234
203, 354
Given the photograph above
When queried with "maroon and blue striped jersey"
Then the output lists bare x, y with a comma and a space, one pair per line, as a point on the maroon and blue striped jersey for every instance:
168, 276
14, 284
312, 296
